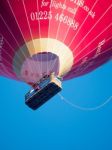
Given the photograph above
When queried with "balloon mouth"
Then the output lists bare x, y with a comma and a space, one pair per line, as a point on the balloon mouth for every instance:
39, 65
42, 55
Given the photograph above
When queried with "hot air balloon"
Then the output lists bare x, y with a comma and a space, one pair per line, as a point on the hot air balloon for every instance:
66, 37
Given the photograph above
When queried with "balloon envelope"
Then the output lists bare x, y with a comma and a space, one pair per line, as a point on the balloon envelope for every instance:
68, 37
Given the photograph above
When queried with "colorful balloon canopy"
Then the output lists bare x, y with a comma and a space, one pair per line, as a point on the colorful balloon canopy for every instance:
68, 37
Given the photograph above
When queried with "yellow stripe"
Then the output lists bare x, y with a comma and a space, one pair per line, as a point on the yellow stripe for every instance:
46, 45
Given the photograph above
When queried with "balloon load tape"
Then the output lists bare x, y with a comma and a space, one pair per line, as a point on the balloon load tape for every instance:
68, 37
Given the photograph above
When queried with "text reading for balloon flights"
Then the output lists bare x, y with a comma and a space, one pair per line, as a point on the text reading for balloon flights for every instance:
61, 17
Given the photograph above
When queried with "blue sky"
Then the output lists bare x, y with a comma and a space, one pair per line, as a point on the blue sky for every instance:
56, 125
